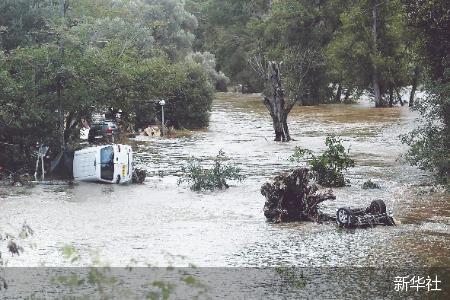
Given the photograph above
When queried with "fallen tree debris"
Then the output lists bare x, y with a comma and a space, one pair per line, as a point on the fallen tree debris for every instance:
291, 198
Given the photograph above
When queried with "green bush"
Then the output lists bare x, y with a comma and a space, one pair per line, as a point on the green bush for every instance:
207, 61
184, 87
370, 185
190, 103
100, 281
429, 142
202, 178
327, 168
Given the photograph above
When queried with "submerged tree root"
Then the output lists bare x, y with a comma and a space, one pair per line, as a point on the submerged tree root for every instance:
290, 198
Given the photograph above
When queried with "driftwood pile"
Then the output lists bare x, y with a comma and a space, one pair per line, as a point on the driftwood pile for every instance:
291, 198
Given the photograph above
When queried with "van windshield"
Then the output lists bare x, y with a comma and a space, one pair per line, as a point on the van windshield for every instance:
107, 163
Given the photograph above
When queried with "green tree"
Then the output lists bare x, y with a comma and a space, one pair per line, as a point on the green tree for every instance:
185, 87
295, 29
226, 29
372, 50
64, 60
430, 141
208, 62
26, 22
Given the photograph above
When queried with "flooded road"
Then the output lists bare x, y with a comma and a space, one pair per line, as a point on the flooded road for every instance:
161, 223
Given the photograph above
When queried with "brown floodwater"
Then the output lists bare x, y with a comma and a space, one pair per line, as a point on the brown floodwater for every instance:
160, 223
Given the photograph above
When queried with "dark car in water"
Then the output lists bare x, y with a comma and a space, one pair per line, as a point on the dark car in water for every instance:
103, 130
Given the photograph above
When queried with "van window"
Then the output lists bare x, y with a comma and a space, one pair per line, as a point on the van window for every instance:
107, 163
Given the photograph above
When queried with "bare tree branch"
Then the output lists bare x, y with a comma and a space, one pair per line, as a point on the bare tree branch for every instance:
255, 63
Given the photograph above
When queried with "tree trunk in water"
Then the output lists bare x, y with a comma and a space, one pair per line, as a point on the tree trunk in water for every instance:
414, 86
391, 97
277, 106
286, 130
399, 97
337, 98
279, 120
375, 81
376, 90
280, 127
347, 95
279, 112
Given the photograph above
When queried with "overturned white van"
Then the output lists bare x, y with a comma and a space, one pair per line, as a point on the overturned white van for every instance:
107, 163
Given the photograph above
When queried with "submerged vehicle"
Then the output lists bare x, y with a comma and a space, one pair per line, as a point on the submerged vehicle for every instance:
373, 215
108, 163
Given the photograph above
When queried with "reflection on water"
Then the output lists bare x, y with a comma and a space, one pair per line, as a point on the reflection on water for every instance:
227, 228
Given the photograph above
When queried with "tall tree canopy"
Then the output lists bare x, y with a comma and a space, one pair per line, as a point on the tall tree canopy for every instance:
430, 142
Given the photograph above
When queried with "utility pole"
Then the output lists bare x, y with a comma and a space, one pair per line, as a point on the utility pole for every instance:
162, 103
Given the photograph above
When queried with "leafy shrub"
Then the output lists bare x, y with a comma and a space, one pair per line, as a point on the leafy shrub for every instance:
222, 82
327, 168
100, 281
202, 178
184, 86
207, 61
13, 247
370, 185
429, 142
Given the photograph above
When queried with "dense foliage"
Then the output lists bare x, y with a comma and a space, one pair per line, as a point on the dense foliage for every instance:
62, 61
327, 168
184, 86
346, 56
430, 142
227, 29
213, 178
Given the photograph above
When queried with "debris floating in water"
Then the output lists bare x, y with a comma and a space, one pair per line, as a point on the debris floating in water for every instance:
290, 198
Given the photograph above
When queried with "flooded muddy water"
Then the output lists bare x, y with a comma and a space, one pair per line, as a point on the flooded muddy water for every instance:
161, 223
